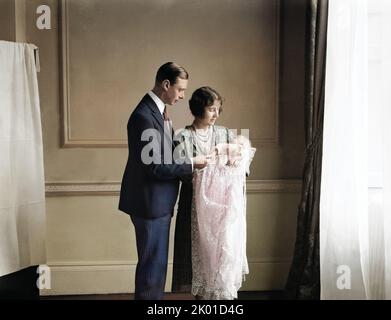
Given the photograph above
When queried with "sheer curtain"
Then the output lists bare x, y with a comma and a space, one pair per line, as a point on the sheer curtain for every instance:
344, 190
22, 191
355, 226
380, 138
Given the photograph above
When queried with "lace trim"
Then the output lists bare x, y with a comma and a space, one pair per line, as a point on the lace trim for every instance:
219, 259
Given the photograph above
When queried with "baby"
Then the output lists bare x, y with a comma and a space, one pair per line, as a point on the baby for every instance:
233, 152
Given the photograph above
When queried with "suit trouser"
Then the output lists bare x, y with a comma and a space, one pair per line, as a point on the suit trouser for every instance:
152, 248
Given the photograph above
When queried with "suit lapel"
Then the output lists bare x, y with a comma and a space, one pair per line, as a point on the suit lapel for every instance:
154, 111
158, 116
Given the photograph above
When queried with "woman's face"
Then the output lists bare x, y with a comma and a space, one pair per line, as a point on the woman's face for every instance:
211, 113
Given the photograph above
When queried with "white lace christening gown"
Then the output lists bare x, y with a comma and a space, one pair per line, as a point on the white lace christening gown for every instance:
219, 228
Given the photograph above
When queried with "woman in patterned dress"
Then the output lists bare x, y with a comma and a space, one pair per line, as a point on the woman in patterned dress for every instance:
204, 247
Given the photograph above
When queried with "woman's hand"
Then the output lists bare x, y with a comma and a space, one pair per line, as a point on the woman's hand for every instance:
200, 161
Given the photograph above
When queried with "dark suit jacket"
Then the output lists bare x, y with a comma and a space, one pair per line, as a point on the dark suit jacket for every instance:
149, 190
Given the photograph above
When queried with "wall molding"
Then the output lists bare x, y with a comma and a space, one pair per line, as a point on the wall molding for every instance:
82, 188
113, 188
106, 277
68, 141
119, 263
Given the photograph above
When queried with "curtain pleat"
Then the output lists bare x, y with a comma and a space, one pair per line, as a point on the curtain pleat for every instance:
304, 276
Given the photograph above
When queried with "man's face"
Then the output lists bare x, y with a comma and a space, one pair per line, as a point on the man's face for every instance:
176, 92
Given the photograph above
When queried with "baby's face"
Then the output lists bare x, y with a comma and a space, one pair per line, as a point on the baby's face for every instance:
242, 141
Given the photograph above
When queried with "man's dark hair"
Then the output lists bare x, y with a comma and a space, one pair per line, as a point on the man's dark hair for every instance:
202, 98
171, 71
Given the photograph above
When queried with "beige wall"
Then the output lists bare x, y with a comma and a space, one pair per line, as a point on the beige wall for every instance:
273, 161
229, 45
7, 20
13, 20
104, 88
91, 245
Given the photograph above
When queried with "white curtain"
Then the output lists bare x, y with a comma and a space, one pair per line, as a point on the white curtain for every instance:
344, 187
380, 157
22, 191
355, 224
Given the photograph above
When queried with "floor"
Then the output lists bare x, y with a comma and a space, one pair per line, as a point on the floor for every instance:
21, 285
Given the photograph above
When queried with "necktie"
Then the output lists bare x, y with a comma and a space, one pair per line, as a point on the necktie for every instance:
167, 122
165, 114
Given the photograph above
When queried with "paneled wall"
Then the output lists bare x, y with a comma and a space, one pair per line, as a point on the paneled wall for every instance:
92, 247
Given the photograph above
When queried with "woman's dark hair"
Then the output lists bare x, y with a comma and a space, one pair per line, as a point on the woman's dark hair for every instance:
202, 98
171, 71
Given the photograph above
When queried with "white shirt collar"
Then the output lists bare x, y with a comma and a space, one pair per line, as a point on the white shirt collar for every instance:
160, 104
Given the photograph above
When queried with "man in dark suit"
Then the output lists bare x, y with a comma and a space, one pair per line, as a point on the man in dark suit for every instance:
150, 183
